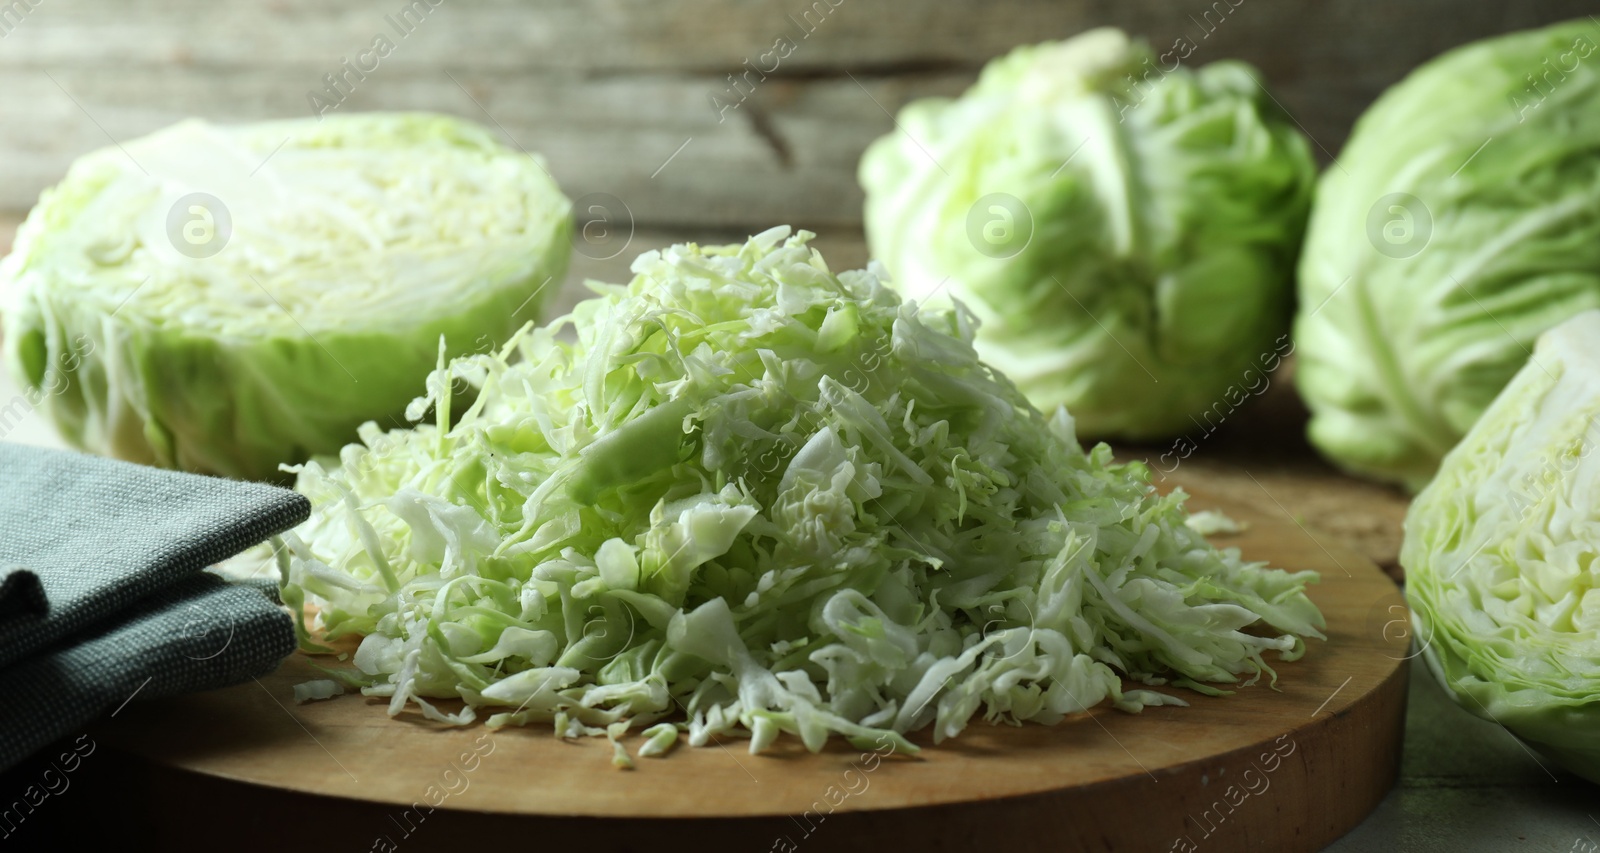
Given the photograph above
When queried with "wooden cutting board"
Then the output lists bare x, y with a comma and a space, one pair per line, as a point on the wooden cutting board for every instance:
1289, 769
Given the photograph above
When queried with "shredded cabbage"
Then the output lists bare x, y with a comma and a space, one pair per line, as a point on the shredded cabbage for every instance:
1211, 522
311, 691
754, 497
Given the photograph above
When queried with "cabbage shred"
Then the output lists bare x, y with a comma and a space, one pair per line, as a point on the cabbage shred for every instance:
755, 497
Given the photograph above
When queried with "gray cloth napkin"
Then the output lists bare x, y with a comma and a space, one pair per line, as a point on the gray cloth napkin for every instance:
199, 633
103, 594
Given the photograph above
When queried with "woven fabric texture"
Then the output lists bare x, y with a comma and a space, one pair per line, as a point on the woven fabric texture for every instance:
104, 595
199, 633
101, 534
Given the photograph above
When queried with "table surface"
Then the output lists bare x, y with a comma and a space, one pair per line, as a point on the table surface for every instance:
1466, 785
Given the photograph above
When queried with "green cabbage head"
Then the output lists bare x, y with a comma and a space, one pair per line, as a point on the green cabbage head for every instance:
1502, 555
226, 299
1462, 221
1124, 227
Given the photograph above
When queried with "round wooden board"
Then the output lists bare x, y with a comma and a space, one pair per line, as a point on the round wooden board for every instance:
1282, 770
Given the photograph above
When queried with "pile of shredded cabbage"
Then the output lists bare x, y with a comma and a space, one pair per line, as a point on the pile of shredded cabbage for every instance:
755, 497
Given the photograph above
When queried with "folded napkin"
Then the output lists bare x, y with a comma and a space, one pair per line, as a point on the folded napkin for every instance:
103, 594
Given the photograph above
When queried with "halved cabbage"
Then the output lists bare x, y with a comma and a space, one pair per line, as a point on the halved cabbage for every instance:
226, 299
1502, 555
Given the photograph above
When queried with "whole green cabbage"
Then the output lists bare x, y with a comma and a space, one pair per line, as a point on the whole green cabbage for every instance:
1124, 227
1502, 555
1462, 220
226, 299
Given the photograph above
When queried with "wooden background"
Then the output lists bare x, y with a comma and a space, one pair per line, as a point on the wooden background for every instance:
618, 95
610, 89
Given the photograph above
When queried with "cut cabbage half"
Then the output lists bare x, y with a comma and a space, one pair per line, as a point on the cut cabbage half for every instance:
1502, 554
226, 299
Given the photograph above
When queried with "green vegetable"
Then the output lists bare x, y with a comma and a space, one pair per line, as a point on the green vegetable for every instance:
659, 740
780, 500
1462, 221
1211, 522
620, 758
226, 299
1125, 227
1501, 555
